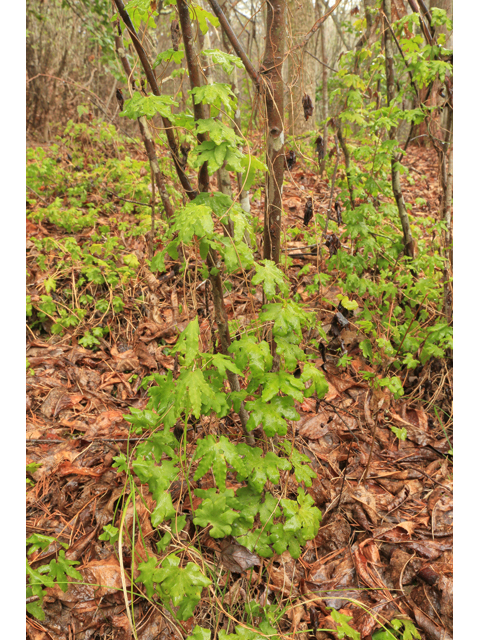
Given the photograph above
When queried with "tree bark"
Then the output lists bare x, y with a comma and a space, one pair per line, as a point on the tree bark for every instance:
424, 21
223, 180
369, 9
324, 93
446, 178
224, 334
301, 67
408, 243
272, 74
447, 5
195, 80
346, 155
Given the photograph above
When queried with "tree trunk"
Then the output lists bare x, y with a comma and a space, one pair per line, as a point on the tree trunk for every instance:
244, 196
146, 135
152, 81
369, 10
212, 258
301, 67
195, 80
338, 26
324, 92
346, 155
408, 243
446, 180
273, 88
223, 181
446, 5
224, 334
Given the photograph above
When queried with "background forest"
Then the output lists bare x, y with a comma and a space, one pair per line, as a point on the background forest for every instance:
239, 319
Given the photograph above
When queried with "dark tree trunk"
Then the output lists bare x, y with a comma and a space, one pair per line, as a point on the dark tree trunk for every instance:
152, 81
212, 257
195, 80
273, 88
224, 334
408, 243
146, 135
324, 92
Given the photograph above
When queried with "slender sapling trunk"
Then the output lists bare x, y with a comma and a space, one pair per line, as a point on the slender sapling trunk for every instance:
408, 243
195, 80
146, 135
273, 87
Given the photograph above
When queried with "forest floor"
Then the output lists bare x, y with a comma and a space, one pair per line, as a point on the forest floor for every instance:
385, 540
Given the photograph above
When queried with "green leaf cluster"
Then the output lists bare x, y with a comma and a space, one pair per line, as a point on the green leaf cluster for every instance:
226, 60
57, 571
176, 586
394, 631
149, 106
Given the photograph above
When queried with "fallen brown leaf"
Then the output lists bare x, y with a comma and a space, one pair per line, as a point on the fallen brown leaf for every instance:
237, 558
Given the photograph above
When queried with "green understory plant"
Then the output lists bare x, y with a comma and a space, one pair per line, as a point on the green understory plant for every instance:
234, 489
394, 631
400, 298
56, 572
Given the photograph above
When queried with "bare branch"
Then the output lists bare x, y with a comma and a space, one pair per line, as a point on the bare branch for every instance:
316, 27
239, 50
425, 28
318, 60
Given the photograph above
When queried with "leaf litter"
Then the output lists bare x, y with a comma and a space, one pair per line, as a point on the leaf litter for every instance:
384, 547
